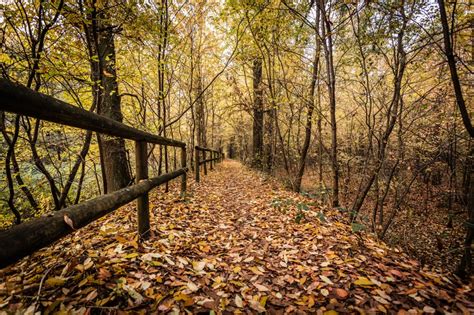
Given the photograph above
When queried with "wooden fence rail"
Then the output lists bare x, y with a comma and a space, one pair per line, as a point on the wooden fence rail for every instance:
215, 156
26, 238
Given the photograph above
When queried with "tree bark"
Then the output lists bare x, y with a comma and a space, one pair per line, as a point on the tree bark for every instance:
328, 53
257, 144
309, 114
448, 50
102, 50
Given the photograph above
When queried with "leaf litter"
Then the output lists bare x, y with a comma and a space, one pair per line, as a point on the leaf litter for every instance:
226, 248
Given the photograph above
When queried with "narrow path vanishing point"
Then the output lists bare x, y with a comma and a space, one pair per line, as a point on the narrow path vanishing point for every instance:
232, 246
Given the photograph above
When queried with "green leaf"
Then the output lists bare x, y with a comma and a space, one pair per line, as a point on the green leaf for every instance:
302, 206
357, 227
322, 217
299, 216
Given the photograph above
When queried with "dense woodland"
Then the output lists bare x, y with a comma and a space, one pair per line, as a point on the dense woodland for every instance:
363, 106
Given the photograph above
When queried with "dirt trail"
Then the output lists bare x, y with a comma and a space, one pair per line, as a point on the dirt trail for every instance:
238, 243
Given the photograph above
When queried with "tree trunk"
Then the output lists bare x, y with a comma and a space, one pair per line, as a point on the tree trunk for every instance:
392, 114
102, 55
309, 114
328, 53
448, 50
465, 267
257, 145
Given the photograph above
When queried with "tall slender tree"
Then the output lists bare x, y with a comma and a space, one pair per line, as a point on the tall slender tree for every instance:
100, 39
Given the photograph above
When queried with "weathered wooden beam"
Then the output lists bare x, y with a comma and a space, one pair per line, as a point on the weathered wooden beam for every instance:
205, 149
26, 238
208, 160
143, 210
19, 99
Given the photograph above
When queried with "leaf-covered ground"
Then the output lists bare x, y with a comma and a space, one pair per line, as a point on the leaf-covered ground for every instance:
238, 243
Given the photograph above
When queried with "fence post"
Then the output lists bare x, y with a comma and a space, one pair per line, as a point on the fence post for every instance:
141, 161
204, 162
212, 157
183, 165
196, 168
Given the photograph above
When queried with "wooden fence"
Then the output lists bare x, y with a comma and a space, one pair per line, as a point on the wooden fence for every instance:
214, 157
26, 238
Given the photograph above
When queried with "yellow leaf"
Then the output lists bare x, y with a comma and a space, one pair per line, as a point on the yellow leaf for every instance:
256, 271
4, 58
103, 301
84, 281
331, 312
121, 239
237, 269
310, 301
107, 74
303, 280
55, 281
363, 281
205, 249
263, 301
134, 244
183, 297
132, 255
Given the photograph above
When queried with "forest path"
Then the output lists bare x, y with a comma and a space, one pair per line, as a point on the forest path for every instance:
233, 245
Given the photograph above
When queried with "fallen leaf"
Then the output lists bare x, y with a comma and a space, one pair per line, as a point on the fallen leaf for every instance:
256, 306
341, 293
91, 296
55, 281
238, 301
191, 286
260, 287
131, 255
199, 265
256, 271
69, 221
326, 279
363, 281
